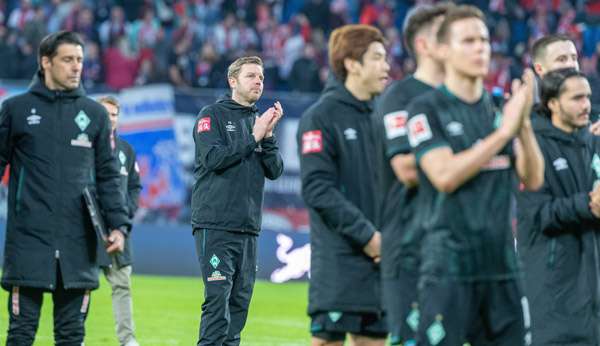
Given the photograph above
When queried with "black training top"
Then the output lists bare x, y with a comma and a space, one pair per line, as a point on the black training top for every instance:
468, 232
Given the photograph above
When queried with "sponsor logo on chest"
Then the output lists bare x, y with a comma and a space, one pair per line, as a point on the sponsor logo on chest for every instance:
560, 164
350, 134
230, 127
34, 119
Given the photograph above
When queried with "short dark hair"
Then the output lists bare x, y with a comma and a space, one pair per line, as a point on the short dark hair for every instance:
455, 14
350, 41
538, 50
420, 18
49, 44
553, 85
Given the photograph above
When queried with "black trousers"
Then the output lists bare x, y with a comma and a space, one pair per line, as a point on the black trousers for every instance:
70, 311
228, 265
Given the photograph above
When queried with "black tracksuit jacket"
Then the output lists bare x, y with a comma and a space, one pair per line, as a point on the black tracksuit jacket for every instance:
56, 142
230, 168
558, 240
337, 162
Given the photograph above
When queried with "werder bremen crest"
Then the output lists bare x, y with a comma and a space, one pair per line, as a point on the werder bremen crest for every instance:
82, 120
122, 157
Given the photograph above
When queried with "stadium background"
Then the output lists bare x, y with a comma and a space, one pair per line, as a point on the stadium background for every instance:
165, 59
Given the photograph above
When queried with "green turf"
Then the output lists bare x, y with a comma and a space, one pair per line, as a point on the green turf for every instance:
167, 312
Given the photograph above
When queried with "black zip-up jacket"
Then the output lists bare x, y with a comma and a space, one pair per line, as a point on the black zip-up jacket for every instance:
337, 165
557, 240
56, 142
130, 188
230, 168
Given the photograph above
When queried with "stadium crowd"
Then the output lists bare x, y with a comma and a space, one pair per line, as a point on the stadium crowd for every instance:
191, 42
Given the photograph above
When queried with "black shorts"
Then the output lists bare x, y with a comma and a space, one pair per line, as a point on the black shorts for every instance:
333, 326
401, 307
481, 313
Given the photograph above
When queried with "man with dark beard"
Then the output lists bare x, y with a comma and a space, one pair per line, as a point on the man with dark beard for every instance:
558, 225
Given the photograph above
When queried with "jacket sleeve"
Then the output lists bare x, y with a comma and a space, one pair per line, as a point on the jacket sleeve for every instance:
108, 180
134, 185
212, 150
5, 138
320, 188
271, 160
540, 212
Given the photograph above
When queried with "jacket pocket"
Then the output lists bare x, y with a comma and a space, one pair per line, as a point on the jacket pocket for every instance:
19, 197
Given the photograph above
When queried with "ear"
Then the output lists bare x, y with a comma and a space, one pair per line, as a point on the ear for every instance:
538, 68
45, 63
554, 105
232, 82
352, 66
420, 45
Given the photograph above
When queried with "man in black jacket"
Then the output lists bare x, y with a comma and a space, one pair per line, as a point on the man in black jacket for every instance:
57, 141
557, 225
235, 152
397, 174
118, 273
335, 140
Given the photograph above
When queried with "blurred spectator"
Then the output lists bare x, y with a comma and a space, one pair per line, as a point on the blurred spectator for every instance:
113, 27
92, 65
35, 29
182, 63
144, 31
305, 72
21, 15
226, 35
121, 64
9, 54
318, 13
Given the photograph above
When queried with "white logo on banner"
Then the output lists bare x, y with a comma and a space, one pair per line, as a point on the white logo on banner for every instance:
297, 261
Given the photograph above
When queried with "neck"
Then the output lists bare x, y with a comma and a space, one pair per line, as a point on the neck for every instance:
357, 89
559, 124
466, 88
429, 72
237, 98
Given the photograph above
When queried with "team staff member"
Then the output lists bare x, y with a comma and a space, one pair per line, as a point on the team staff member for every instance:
235, 152
119, 273
57, 141
338, 186
469, 284
557, 225
397, 174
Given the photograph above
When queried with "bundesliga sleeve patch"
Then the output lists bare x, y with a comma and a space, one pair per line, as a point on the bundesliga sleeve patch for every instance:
418, 130
204, 124
395, 124
312, 142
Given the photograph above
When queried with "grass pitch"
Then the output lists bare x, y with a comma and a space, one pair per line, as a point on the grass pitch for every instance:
167, 313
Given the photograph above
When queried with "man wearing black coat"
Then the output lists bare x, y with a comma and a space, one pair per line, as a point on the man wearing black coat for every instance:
235, 151
557, 225
57, 142
337, 163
